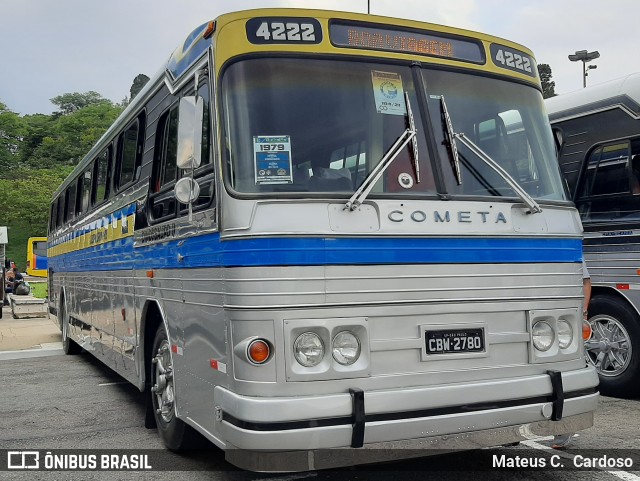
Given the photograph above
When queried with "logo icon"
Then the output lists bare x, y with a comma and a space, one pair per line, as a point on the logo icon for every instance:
23, 460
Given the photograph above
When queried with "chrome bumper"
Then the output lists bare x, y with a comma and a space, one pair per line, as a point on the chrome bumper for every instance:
311, 432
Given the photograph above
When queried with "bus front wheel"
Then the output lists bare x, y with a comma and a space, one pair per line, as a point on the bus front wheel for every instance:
614, 348
175, 434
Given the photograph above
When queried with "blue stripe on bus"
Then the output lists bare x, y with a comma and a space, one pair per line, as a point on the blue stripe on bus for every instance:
209, 250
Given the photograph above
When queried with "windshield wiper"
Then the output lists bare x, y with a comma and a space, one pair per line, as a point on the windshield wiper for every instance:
533, 206
449, 139
407, 136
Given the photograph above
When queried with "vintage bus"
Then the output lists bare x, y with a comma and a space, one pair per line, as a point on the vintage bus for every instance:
598, 135
316, 230
37, 257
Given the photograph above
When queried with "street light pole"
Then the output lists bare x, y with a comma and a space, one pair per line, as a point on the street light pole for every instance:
584, 57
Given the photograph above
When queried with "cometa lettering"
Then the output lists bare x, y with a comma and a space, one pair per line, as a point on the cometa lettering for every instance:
461, 217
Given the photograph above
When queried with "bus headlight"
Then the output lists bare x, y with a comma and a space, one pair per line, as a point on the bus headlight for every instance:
543, 336
308, 349
565, 334
346, 348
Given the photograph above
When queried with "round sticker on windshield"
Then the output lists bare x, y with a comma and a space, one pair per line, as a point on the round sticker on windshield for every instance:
405, 180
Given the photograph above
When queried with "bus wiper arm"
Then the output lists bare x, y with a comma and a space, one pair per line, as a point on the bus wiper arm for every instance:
449, 141
534, 207
407, 136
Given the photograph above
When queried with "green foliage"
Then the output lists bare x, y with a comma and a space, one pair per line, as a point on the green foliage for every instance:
12, 129
24, 203
548, 85
72, 102
38, 289
71, 136
37, 152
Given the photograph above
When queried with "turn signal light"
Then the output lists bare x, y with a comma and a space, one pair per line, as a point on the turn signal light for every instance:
258, 351
587, 332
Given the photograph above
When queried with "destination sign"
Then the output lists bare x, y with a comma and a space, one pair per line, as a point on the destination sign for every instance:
421, 42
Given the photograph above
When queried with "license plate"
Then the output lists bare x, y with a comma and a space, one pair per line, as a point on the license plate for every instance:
453, 341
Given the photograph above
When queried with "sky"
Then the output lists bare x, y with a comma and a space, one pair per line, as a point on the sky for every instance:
54, 47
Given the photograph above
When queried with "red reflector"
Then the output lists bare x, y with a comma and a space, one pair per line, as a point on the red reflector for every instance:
174, 348
622, 287
214, 363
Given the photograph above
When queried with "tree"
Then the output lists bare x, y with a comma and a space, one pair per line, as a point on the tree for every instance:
72, 102
25, 197
12, 129
73, 135
548, 85
138, 84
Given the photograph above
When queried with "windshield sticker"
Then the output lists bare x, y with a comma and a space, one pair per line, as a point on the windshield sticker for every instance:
272, 156
388, 93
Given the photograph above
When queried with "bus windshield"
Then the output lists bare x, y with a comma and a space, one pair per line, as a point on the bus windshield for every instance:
298, 125
318, 126
505, 120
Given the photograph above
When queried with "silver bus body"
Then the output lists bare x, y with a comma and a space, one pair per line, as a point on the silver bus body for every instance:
404, 275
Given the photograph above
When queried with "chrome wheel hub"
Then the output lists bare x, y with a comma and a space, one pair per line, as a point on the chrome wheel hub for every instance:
609, 349
163, 387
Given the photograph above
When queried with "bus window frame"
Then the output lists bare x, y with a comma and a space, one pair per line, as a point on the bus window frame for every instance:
140, 122
164, 190
108, 151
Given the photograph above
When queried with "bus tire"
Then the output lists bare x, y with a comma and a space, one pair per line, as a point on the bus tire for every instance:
614, 348
175, 433
69, 346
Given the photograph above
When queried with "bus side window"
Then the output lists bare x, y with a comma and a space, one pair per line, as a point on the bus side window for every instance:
204, 174
69, 202
60, 210
84, 192
165, 172
130, 143
607, 184
101, 177
53, 215
635, 174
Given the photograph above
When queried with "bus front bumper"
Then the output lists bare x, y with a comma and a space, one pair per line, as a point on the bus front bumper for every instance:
306, 432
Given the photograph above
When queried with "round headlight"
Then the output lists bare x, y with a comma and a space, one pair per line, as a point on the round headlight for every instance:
346, 348
542, 336
308, 349
565, 334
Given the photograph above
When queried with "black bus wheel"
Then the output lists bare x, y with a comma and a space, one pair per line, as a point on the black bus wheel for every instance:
69, 346
175, 434
614, 348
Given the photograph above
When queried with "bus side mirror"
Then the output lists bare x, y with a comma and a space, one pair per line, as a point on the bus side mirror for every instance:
187, 190
190, 132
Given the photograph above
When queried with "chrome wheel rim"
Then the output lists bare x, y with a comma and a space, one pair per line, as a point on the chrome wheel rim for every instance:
163, 387
609, 349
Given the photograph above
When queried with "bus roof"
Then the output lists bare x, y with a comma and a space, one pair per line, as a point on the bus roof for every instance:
623, 93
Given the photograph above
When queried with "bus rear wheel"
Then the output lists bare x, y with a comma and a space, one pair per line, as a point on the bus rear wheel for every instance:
614, 348
175, 434
69, 346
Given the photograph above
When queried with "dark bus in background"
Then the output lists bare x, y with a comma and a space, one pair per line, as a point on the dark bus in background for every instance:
597, 130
